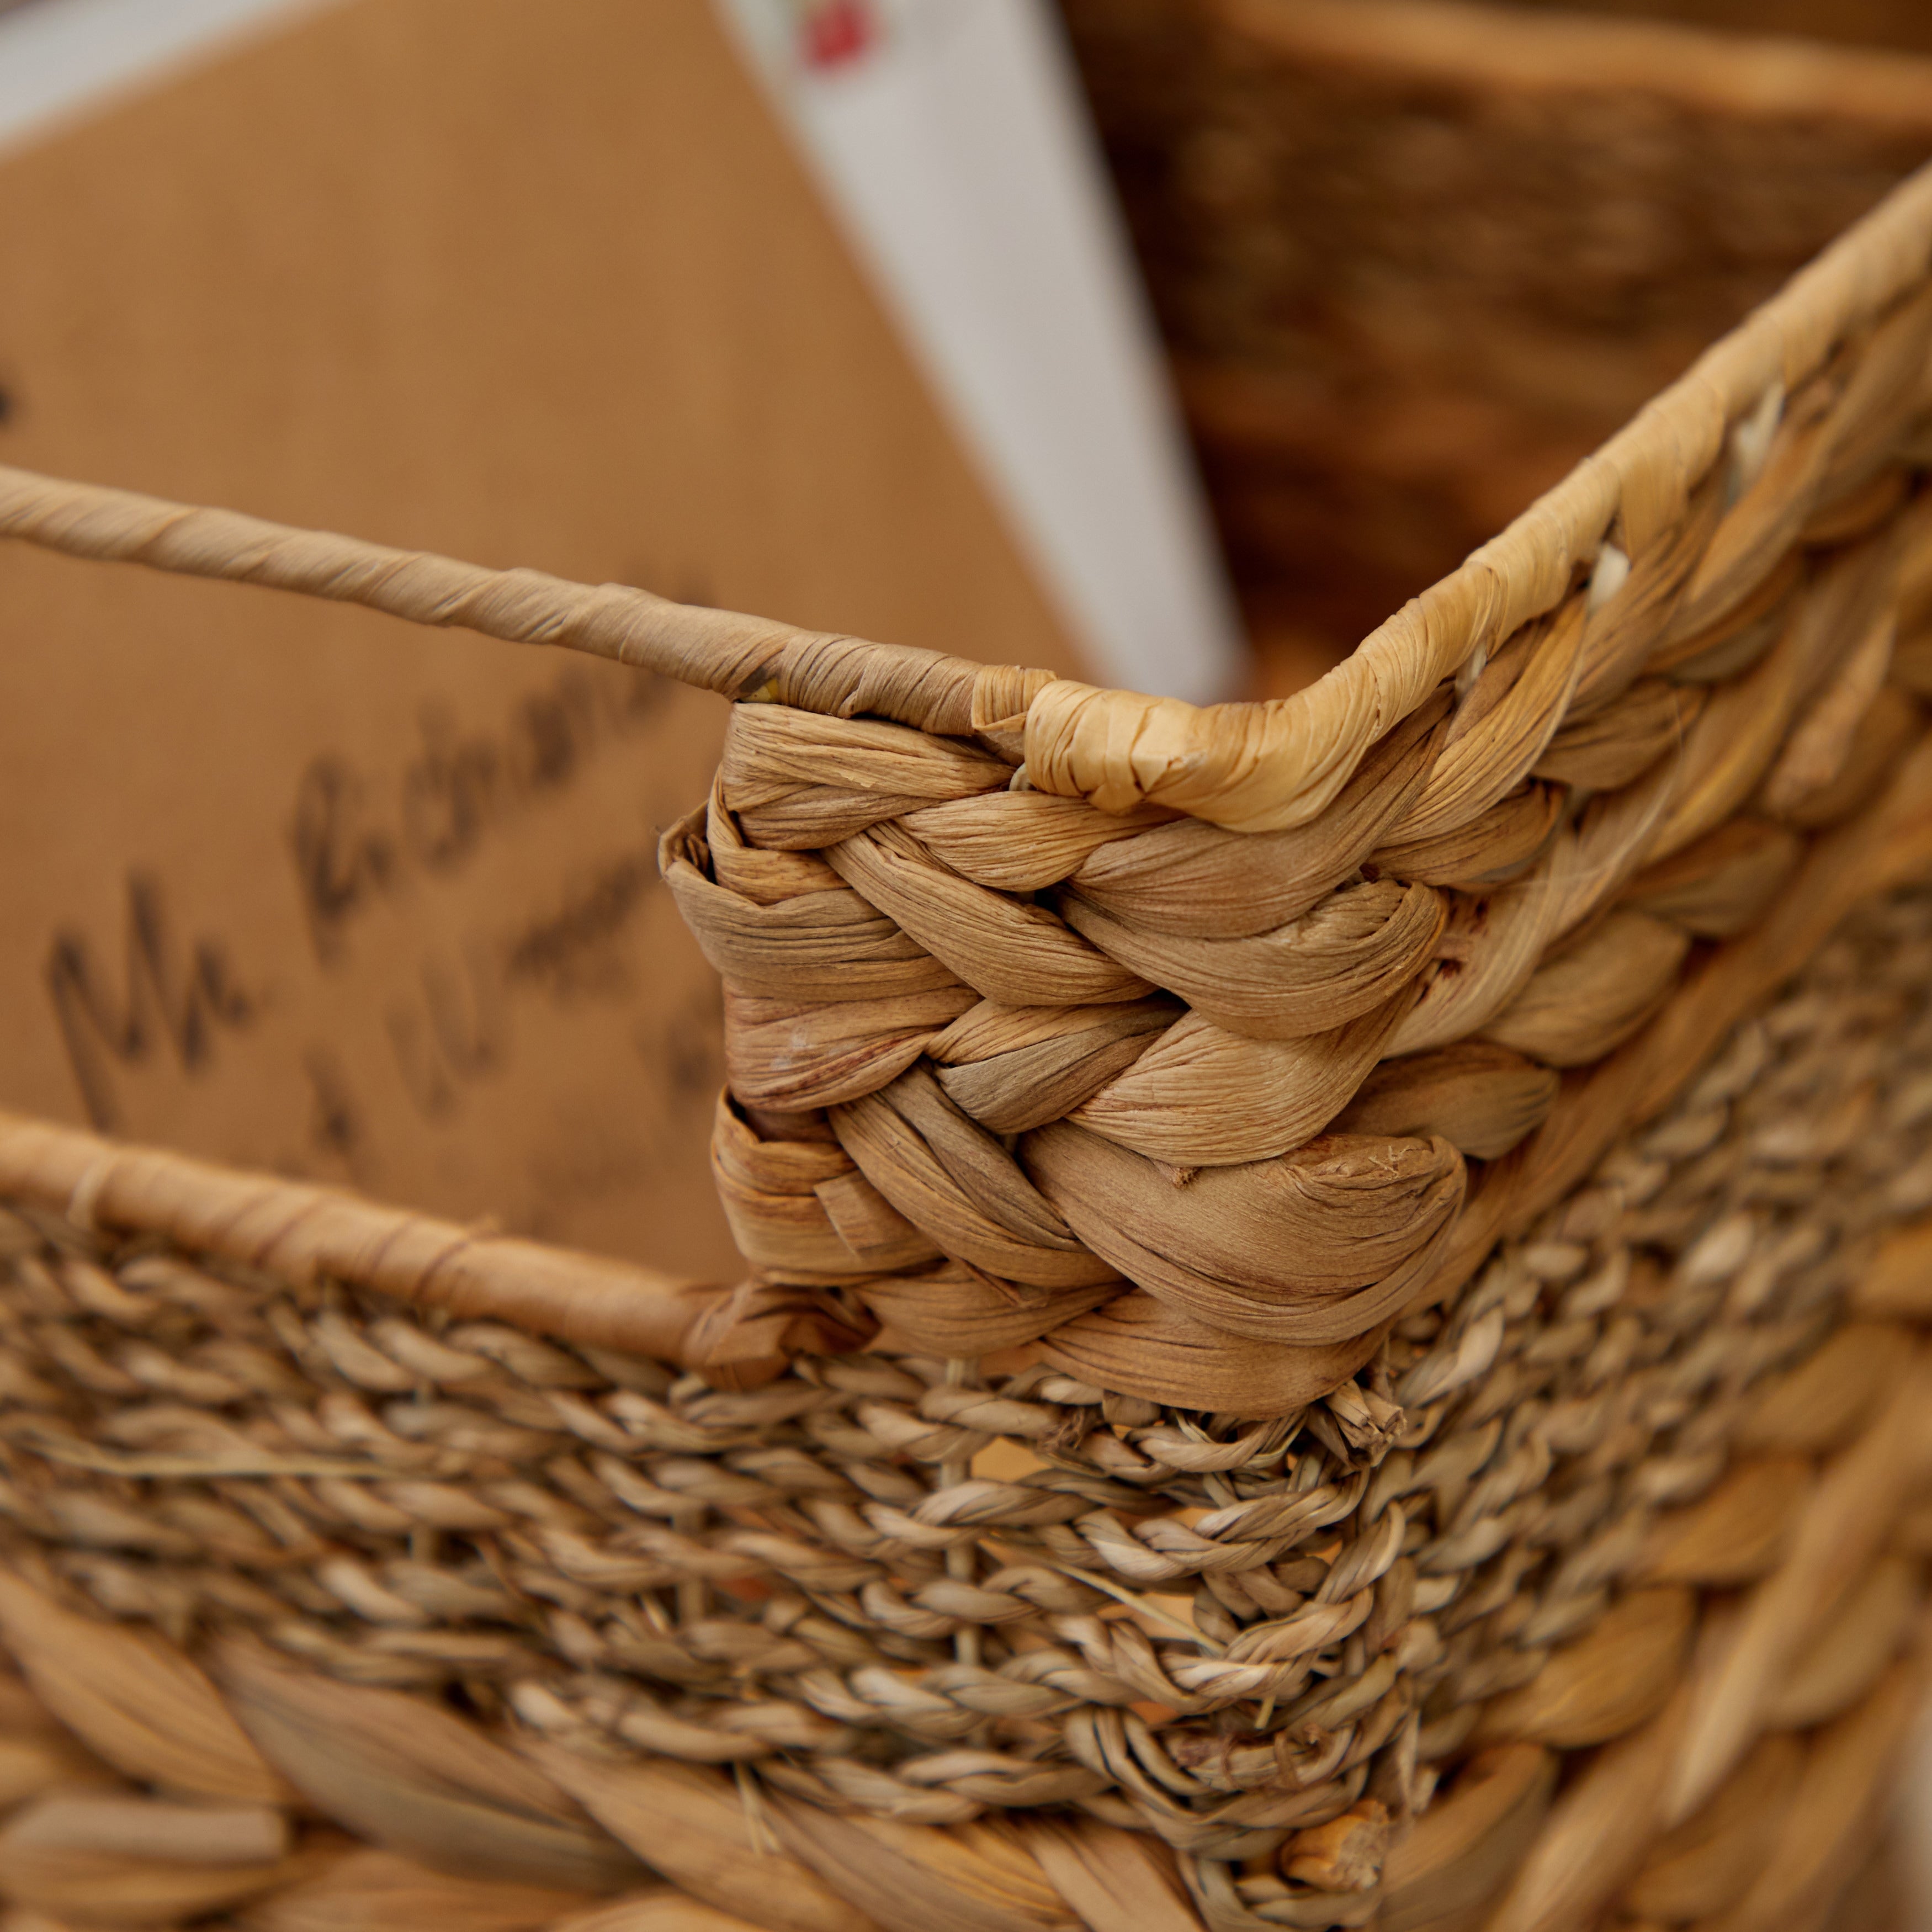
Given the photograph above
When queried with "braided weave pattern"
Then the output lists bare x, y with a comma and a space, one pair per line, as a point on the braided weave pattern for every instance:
1197, 1112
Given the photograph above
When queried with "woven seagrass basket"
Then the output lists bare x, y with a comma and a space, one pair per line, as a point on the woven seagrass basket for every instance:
1334, 1327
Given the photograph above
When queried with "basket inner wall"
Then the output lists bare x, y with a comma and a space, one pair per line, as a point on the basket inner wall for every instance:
1901, 24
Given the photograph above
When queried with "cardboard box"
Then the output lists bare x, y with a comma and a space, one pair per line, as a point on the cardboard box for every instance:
299, 887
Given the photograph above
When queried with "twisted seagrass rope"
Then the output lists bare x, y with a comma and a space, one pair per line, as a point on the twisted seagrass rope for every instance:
396, 1505
300, 1232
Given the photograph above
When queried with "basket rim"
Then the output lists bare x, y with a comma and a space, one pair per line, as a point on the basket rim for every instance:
305, 1233
1478, 44
1258, 765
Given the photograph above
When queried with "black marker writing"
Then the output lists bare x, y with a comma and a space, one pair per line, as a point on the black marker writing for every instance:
576, 950
355, 838
174, 999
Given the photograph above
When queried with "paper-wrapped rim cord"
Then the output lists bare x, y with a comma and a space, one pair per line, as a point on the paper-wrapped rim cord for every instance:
1251, 767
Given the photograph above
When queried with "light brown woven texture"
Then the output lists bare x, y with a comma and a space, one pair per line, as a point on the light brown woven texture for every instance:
1652, 1497
1414, 259
300, 1233
1409, 1275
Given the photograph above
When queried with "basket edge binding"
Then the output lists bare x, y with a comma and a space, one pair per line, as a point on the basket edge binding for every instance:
739, 1336
1251, 767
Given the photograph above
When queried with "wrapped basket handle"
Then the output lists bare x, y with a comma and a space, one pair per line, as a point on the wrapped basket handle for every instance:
737, 656
1253, 767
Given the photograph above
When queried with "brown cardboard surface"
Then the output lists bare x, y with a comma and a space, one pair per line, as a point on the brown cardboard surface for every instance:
299, 886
